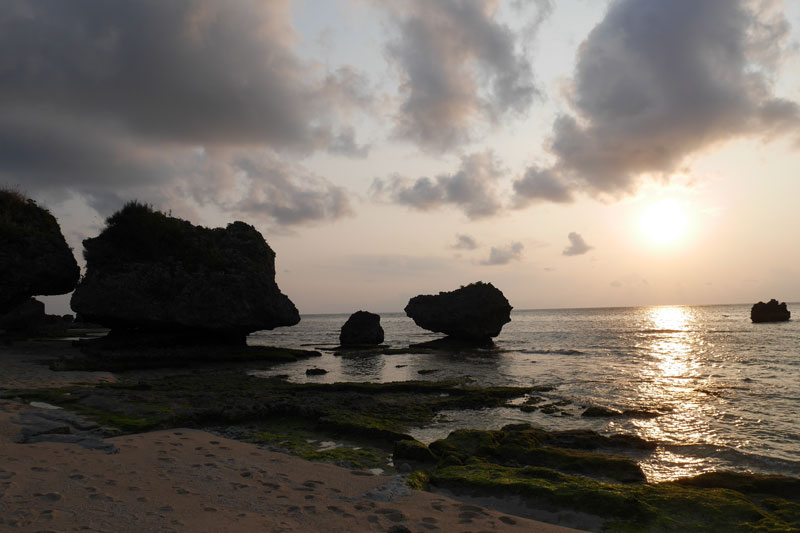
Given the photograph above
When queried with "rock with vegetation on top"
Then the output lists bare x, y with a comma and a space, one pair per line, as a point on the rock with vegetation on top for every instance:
150, 273
476, 312
771, 311
34, 257
362, 328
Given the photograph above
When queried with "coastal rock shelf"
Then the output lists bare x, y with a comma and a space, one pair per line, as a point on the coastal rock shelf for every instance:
150, 273
475, 312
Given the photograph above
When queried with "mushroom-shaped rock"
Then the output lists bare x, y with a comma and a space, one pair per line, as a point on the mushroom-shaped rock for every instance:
475, 312
150, 272
771, 311
362, 328
34, 257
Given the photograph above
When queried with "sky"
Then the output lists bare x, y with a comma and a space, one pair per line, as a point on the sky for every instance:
577, 153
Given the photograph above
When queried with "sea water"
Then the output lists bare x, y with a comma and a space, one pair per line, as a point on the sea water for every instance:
712, 389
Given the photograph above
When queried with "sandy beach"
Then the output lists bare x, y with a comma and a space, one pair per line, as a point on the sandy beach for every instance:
191, 480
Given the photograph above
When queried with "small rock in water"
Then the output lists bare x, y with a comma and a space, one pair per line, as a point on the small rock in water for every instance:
771, 311
362, 328
316, 371
598, 411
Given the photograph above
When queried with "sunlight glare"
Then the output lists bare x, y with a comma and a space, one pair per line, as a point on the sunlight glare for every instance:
664, 222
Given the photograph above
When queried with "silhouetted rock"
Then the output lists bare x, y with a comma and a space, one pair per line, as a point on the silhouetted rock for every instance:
316, 372
771, 311
475, 312
34, 257
27, 317
152, 274
362, 328
597, 411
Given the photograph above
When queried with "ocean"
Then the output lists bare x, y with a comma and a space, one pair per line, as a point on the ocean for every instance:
712, 389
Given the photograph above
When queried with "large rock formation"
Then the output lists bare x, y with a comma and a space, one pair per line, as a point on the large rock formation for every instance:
162, 275
362, 328
475, 312
34, 257
771, 311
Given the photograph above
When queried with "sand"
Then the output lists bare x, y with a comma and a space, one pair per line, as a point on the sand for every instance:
191, 480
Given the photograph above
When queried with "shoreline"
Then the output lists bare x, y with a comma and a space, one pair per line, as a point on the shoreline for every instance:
61, 427
192, 480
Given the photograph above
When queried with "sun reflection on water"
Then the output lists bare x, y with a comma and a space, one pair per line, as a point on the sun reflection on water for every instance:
671, 382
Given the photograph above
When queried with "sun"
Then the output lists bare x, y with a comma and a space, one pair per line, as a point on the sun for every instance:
664, 222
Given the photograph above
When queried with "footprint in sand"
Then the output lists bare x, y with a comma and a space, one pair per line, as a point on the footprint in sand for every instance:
392, 514
50, 496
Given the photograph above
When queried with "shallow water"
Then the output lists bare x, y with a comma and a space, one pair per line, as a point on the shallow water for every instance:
726, 391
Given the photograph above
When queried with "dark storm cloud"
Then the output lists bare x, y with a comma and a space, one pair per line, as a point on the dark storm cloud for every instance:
472, 188
577, 246
103, 98
186, 70
540, 184
458, 66
656, 81
503, 255
465, 242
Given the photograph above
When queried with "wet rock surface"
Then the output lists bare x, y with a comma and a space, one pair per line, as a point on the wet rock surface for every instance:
150, 273
361, 329
57, 425
475, 312
771, 311
34, 256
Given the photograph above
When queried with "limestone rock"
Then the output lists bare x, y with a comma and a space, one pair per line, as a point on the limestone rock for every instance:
362, 328
475, 312
771, 311
27, 317
34, 257
150, 272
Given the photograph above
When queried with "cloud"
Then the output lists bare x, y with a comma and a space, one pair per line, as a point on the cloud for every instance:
504, 254
458, 67
472, 188
288, 195
577, 246
465, 242
540, 184
159, 100
657, 81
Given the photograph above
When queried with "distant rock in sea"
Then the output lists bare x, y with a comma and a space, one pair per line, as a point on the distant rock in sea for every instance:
34, 256
362, 328
475, 312
771, 311
150, 273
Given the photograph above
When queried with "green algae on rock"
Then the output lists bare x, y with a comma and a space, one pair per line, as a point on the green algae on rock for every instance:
548, 472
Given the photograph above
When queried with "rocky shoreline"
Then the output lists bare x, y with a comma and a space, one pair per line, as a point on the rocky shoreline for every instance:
364, 426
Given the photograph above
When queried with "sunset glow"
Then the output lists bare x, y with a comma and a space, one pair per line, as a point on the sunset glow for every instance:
664, 222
